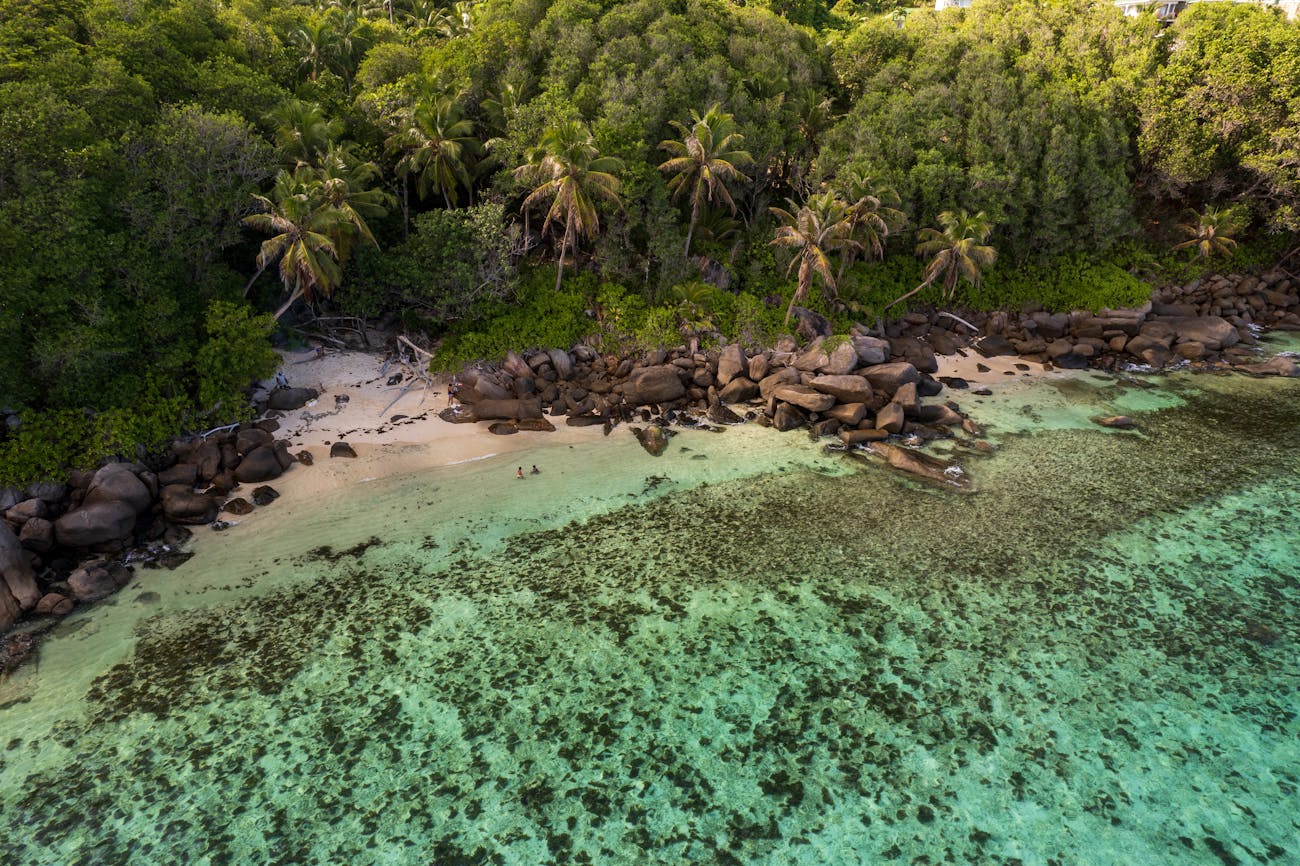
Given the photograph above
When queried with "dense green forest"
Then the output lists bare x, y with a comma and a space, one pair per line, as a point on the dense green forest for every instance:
173, 173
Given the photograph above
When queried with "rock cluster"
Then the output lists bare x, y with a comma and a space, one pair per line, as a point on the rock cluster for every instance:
860, 387
1212, 320
62, 544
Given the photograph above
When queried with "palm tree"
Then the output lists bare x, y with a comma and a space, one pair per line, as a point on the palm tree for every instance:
303, 131
317, 43
1208, 232
814, 231
302, 224
347, 185
438, 141
570, 173
958, 251
872, 216
702, 164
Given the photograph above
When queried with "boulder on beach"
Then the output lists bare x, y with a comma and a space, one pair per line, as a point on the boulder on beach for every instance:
871, 350
238, 506
252, 438
731, 363
185, 474
788, 417
18, 590
860, 437
37, 534
805, 397
658, 384
265, 495
782, 377
116, 482
1118, 422
96, 581
846, 389
507, 410
288, 399
55, 604
888, 377
182, 505
741, 389
95, 525
342, 449
260, 464
890, 418
1212, 332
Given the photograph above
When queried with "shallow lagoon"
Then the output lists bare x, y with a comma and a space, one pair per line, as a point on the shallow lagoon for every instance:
746, 651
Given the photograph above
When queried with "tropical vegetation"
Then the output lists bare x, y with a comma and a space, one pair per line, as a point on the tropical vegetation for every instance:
677, 168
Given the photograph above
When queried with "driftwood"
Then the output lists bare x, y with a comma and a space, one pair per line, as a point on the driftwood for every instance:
416, 362
974, 329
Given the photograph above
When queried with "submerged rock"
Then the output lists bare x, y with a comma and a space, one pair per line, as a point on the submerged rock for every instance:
654, 439
1118, 422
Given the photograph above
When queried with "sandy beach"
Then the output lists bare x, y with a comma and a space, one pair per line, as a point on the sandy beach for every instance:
396, 433
356, 405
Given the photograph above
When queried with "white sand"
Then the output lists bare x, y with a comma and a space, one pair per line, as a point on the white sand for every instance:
384, 447
1002, 370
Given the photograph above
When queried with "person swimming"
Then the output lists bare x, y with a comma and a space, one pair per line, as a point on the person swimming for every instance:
536, 471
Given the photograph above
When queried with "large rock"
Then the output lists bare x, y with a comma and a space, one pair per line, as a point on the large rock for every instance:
860, 437
207, 457
890, 418
1210, 331
738, 390
247, 440
758, 367
487, 388
562, 363
182, 473
342, 449
26, 510
658, 384
843, 358
1276, 366
888, 377
812, 358
731, 363
96, 581
288, 399
117, 483
846, 389
182, 505
848, 414
37, 534
654, 439
920, 355
16, 571
871, 350
788, 417
507, 410
921, 465
805, 397
907, 398
95, 525
54, 604
993, 345
782, 377
260, 464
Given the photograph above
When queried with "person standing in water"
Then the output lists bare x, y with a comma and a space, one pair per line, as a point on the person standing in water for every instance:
536, 471
519, 473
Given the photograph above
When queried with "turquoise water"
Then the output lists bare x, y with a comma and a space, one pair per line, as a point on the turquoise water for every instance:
745, 651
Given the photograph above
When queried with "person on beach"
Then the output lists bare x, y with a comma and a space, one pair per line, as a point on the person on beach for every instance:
452, 391
519, 473
281, 380
536, 471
